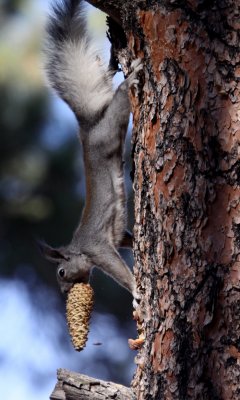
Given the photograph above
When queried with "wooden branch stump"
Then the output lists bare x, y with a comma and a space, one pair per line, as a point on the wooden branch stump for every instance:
74, 386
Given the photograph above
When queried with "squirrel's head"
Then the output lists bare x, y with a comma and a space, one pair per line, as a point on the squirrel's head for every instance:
71, 267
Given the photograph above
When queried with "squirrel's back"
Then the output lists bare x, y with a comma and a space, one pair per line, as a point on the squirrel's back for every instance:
72, 64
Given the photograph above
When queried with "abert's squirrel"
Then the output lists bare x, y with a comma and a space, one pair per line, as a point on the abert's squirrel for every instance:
75, 71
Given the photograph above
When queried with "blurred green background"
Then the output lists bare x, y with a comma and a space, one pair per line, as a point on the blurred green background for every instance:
41, 196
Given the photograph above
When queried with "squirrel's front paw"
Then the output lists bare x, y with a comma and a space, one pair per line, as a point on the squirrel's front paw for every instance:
136, 297
137, 65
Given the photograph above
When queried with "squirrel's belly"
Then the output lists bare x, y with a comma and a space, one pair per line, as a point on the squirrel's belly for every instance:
118, 210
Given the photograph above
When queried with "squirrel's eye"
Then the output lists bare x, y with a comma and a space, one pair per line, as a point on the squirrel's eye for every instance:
61, 272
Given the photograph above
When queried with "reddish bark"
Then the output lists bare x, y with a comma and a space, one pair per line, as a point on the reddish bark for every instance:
187, 177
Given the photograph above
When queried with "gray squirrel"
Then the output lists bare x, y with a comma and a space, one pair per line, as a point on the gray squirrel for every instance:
75, 71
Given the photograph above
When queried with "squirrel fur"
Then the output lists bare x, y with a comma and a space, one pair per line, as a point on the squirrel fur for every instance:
75, 71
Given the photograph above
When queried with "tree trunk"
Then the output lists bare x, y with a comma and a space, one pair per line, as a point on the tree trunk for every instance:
186, 182
187, 195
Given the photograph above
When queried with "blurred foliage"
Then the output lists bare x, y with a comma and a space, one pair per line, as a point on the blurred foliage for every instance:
10, 6
39, 182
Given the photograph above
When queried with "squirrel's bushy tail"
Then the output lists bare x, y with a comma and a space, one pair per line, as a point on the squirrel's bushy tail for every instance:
72, 64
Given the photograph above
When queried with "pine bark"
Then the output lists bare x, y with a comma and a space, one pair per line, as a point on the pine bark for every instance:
186, 182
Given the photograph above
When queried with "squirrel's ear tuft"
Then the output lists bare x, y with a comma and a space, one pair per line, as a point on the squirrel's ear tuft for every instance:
51, 254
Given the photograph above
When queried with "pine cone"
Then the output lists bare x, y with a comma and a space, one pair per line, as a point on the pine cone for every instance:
79, 308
